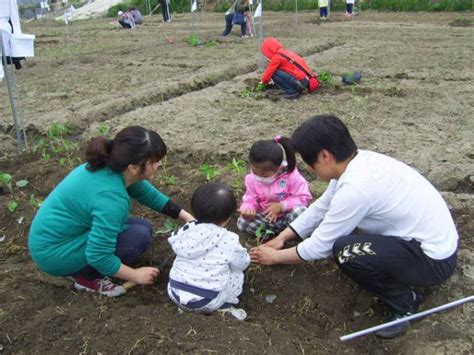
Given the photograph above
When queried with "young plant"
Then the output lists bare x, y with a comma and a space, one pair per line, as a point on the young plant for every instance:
169, 226
210, 172
263, 234
238, 166
35, 202
6, 179
12, 205
193, 40
165, 177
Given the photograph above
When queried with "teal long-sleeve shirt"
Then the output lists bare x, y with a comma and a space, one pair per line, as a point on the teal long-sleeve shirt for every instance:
79, 222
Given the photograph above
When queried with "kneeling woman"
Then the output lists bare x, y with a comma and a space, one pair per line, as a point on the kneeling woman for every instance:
83, 229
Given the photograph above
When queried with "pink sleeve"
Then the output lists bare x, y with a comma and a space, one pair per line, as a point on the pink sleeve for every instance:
299, 192
249, 200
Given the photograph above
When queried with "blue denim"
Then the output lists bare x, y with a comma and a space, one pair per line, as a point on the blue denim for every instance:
288, 83
349, 8
131, 243
323, 11
229, 24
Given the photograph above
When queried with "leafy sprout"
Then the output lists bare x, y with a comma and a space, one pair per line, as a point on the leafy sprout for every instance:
210, 172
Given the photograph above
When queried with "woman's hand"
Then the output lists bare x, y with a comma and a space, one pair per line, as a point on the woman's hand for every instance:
146, 275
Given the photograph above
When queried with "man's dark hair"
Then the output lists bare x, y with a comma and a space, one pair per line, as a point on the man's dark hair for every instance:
323, 132
213, 203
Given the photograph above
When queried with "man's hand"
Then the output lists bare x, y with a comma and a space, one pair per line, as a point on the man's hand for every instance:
275, 243
272, 211
248, 213
263, 255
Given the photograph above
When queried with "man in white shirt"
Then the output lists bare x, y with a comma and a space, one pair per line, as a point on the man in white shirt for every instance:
405, 235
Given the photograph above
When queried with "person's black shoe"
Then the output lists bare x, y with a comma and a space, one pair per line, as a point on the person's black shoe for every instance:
400, 328
395, 330
292, 96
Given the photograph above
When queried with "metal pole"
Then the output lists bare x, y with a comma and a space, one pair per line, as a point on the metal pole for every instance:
261, 61
296, 13
19, 140
409, 318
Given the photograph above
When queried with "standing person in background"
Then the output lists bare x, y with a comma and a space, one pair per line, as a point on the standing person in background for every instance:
83, 229
350, 8
235, 16
165, 9
323, 9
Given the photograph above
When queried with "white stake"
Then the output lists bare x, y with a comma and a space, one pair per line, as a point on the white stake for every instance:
409, 318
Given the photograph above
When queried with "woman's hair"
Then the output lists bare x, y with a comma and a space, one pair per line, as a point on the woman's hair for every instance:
213, 203
271, 152
132, 145
323, 132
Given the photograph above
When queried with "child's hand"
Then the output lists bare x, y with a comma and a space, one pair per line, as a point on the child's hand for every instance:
273, 210
248, 213
146, 275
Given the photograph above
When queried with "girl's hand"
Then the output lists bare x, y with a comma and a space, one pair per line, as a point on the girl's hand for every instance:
146, 275
273, 210
248, 214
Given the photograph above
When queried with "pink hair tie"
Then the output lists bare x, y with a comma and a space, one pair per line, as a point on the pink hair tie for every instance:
277, 138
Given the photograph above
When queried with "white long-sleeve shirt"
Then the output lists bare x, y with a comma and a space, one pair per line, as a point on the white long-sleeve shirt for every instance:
206, 254
381, 196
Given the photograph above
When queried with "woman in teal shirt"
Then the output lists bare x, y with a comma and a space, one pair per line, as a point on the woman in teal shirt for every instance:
83, 229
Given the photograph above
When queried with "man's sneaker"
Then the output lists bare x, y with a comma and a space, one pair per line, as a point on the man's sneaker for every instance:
102, 286
395, 330
237, 313
402, 327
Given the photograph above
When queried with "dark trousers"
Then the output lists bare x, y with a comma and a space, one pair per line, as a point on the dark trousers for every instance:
288, 83
323, 11
349, 8
165, 9
130, 245
390, 267
125, 24
229, 24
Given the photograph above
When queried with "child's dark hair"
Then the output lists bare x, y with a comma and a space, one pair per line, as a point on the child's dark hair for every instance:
213, 203
323, 132
270, 151
132, 145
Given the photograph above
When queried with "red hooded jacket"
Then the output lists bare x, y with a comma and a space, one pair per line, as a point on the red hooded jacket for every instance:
270, 49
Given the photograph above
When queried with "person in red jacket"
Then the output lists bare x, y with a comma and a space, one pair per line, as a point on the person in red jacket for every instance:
284, 69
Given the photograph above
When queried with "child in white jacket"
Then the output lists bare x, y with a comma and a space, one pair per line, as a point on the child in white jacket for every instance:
207, 274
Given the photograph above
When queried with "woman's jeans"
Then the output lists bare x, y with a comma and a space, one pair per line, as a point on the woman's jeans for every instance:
228, 25
131, 243
288, 83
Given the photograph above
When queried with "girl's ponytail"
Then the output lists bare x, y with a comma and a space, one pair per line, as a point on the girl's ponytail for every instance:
289, 152
98, 153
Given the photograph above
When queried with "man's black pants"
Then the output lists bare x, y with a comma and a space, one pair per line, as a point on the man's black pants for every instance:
390, 267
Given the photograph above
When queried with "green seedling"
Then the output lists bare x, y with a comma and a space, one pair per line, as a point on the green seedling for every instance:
238, 166
6, 179
165, 177
211, 43
35, 202
325, 76
250, 91
169, 226
210, 172
194, 40
262, 234
103, 130
12, 205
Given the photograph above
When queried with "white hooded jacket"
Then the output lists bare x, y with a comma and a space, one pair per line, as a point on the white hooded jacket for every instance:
206, 255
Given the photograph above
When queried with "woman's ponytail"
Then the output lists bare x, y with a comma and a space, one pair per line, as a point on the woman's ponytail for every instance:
98, 153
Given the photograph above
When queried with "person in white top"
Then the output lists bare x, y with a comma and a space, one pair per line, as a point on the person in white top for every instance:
385, 225
207, 274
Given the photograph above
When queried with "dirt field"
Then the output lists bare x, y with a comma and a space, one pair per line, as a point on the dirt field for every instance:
415, 103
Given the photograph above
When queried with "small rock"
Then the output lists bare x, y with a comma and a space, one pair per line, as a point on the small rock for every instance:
2, 237
356, 314
270, 298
